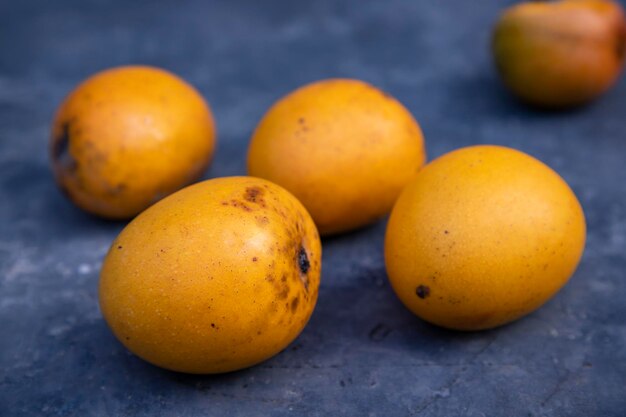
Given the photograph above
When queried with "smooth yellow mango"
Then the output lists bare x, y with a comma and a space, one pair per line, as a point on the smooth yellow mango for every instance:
482, 236
342, 147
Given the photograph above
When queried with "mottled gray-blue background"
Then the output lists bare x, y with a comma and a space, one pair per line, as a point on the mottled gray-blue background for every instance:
362, 353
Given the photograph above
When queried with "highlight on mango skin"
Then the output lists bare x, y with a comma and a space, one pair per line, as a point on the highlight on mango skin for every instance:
217, 277
129, 136
560, 54
482, 236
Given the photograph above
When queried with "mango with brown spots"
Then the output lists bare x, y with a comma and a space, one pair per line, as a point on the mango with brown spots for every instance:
341, 146
216, 277
484, 235
129, 136
562, 53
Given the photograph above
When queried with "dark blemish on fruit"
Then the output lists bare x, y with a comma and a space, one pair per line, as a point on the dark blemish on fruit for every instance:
284, 292
240, 204
283, 278
213, 325
254, 195
422, 291
61, 149
379, 332
302, 124
303, 265
446, 232
294, 304
269, 278
254, 259
303, 261
127, 338
61, 145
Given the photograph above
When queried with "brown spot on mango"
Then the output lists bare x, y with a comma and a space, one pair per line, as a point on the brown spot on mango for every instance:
303, 261
283, 292
294, 304
255, 195
61, 153
240, 204
422, 291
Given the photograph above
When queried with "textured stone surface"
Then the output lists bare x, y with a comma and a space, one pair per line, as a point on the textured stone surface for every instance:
362, 353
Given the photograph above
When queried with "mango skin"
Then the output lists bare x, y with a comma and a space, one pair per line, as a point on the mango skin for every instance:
127, 137
216, 277
483, 236
560, 54
344, 148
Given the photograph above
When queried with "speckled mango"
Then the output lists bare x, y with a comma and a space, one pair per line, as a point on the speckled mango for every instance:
127, 137
217, 277
562, 53
342, 147
482, 236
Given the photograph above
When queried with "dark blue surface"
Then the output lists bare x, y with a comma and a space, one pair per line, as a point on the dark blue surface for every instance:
362, 353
